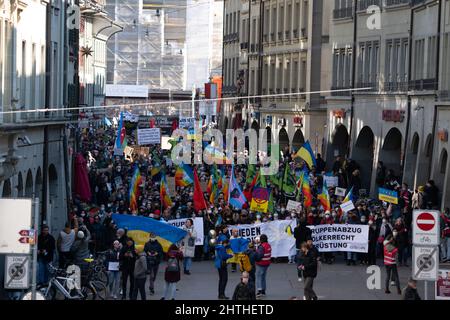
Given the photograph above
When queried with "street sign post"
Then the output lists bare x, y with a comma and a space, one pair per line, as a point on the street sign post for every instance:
425, 263
15, 217
17, 271
426, 227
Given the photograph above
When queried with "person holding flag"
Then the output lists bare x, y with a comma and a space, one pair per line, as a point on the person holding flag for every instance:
306, 153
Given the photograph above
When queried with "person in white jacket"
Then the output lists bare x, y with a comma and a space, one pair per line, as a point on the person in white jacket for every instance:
188, 245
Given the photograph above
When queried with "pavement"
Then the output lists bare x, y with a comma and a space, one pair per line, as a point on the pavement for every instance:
334, 282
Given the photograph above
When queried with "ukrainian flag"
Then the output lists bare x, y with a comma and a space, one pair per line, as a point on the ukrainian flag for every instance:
306, 154
349, 196
139, 228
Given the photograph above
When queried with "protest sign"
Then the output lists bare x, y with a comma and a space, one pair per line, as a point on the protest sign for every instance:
331, 181
294, 205
340, 192
198, 227
260, 200
347, 206
279, 232
149, 136
388, 195
338, 237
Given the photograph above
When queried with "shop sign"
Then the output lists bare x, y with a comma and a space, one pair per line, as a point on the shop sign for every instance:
443, 135
340, 113
394, 115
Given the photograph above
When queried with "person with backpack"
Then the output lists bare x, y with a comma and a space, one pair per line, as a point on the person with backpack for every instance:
154, 252
264, 254
251, 254
220, 263
140, 276
244, 290
172, 273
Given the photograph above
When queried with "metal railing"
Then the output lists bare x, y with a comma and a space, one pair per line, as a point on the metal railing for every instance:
391, 3
364, 4
343, 13
423, 84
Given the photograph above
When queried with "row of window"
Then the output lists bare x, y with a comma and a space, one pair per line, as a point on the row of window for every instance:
285, 22
396, 64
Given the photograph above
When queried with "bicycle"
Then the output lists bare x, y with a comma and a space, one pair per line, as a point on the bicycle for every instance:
63, 286
97, 267
60, 285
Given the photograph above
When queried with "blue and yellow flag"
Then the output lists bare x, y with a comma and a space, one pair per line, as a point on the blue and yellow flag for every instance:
306, 154
139, 228
349, 196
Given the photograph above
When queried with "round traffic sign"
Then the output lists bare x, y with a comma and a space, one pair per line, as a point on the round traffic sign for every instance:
425, 262
425, 221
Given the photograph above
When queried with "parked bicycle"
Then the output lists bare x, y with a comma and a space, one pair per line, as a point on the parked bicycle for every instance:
64, 286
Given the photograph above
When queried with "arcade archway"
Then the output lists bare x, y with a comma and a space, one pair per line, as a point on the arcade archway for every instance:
390, 153
363, 155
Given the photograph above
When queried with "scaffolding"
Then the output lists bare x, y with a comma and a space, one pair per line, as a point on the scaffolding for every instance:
150, 50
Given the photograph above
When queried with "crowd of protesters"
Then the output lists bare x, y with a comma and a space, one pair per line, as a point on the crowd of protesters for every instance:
91, 229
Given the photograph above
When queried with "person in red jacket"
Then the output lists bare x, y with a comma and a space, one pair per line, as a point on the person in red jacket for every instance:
390, 261
263, 256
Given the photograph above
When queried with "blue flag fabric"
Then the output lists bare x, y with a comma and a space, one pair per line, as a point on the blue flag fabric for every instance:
163, 230
235, 196
239, 244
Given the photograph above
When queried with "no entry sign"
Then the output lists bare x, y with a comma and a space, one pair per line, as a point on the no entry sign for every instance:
426, 227
425, 221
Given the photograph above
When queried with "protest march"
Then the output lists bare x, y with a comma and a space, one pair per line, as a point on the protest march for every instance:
146, 214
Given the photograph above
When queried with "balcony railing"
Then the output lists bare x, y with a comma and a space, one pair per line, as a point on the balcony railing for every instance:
344, 93
393, 86
343, 13
364, 4
372, 86
392, 3
423, 84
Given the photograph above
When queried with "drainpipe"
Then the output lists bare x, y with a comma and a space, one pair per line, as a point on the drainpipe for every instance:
48, 92
440, 3
352, 104
408, 111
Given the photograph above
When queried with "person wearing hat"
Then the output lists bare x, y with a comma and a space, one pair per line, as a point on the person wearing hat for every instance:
154, 254
80, 248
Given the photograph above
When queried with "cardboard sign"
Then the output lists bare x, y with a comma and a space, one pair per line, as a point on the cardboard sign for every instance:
331, 181
347, 206
340, 192
149, 136
294, 205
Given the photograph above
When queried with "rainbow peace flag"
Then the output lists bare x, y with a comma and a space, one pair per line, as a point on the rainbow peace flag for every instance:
164, 193
140, 227
184, 176
133, 192
306, 190
324, 197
